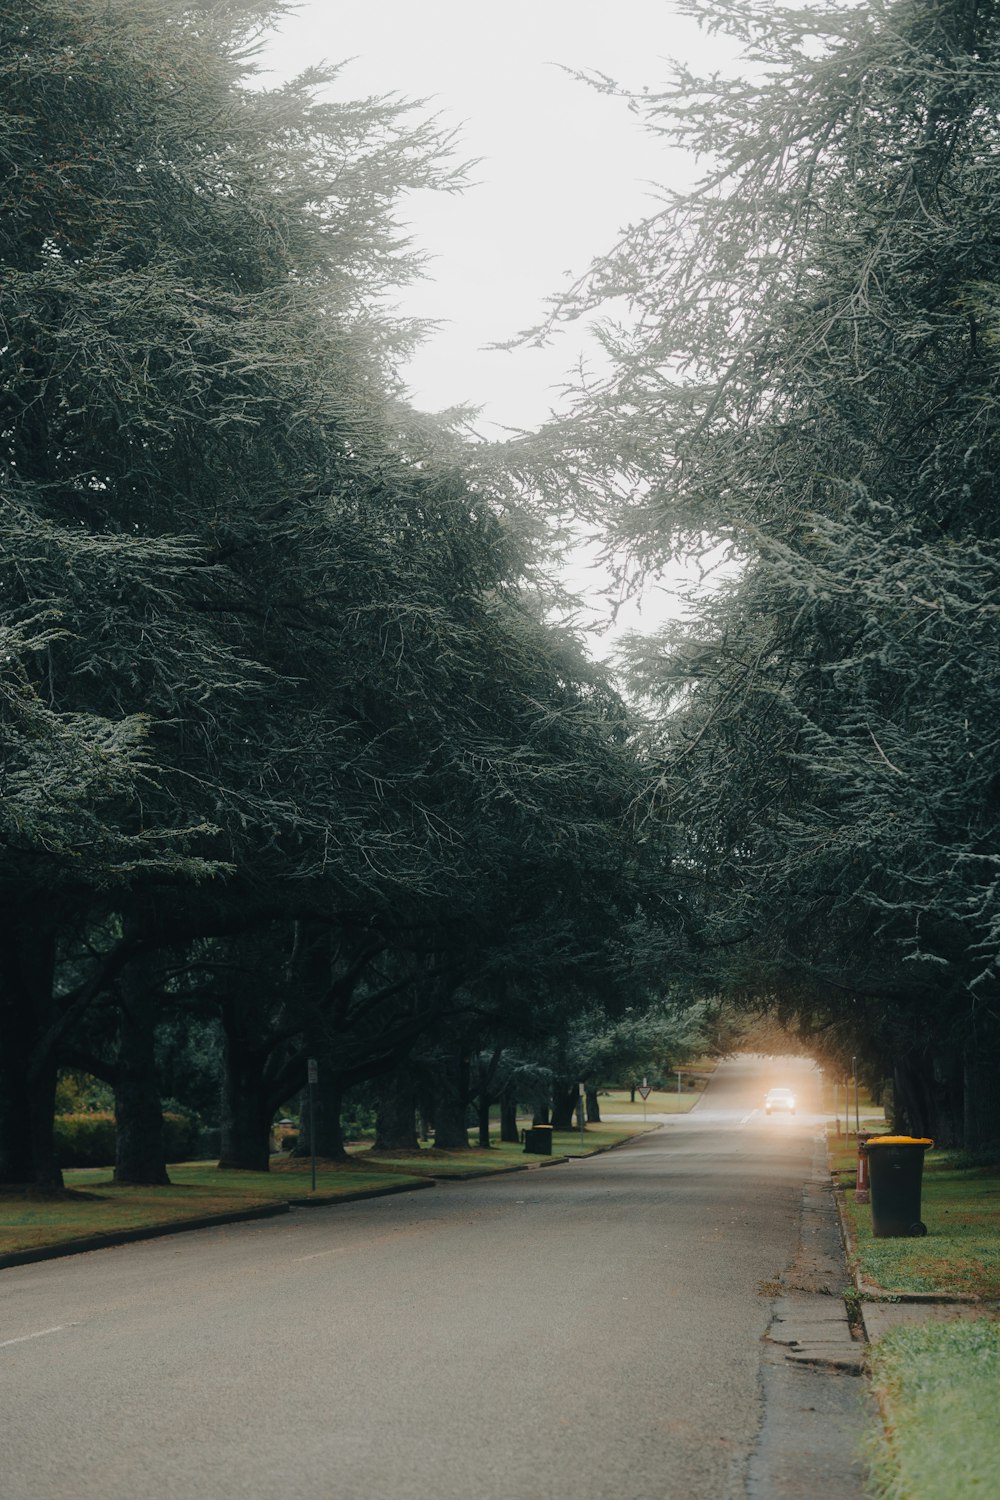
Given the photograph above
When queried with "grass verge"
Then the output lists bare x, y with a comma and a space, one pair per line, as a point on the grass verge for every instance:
502, 1155
660, 1101
94, 1206
937, 1388
960, 1204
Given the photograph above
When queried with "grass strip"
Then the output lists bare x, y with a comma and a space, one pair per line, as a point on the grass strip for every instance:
960, 1204
937, 1388
93, 1205
660, 1102
502, 1155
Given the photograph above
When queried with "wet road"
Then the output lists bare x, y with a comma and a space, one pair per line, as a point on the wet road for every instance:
588, 1329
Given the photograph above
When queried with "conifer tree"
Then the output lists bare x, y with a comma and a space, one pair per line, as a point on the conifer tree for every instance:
808, 378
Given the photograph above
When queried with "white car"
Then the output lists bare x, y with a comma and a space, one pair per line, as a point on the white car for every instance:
779, 1099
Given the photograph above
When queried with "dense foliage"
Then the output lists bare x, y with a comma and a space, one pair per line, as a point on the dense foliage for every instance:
807, 380
293, 762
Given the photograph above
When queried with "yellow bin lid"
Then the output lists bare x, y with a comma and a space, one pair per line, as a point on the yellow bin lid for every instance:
898, 1140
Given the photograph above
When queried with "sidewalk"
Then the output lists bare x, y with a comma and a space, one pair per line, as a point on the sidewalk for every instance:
815, 1406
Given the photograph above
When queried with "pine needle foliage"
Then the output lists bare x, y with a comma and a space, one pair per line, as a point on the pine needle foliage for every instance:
807, 375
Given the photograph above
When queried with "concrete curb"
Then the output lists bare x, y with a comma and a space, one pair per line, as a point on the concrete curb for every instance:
129, 1236
206, 1221
411, 1186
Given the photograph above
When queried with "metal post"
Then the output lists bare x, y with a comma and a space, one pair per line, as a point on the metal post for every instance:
312, 1074
678, 1080
857, 1111
580, 1109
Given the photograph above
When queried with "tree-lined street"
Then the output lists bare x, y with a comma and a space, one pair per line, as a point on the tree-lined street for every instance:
576, 1329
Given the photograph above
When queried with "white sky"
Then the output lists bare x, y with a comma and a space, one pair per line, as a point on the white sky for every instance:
562, 167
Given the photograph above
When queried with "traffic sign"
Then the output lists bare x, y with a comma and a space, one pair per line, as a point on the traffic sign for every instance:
645, 1091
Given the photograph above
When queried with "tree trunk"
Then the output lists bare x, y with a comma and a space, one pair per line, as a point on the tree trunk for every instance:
564, 1101
540, 1113
139, 1152
396, 1113
27, 1061
486, 1096
451, 1103
327, 1100
329, 1096
246, 1118
484, 1120
982, 1100
593, 1108
927, 1098
508, 1119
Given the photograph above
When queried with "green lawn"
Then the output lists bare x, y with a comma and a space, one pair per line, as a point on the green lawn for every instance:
937, 1386
94, 1205
960, 1205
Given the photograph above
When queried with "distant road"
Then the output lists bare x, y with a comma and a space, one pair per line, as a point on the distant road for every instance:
586, 1330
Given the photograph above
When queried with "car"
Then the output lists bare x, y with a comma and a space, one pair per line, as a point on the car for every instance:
779, 1099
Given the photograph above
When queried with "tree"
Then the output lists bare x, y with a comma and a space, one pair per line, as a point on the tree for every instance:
809, 378
189, 275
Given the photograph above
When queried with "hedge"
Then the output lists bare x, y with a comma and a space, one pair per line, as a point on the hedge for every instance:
88, 1140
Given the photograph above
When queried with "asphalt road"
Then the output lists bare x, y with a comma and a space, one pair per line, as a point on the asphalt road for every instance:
593, 1329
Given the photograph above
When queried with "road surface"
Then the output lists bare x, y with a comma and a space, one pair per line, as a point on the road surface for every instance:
592, 1329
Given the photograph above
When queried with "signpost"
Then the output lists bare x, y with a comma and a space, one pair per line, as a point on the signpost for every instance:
580, 1109
312, 1078
857, 1112
645, 1091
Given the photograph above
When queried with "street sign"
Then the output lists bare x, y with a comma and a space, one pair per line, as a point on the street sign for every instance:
312, 1071
645, 1091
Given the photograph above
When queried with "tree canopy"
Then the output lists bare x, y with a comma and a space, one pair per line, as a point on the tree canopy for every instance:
279, 694
807, 378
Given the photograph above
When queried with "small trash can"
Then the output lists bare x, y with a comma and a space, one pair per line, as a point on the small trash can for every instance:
896, 1168
538, 1139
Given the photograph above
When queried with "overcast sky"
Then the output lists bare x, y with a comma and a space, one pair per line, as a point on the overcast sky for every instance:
562, 167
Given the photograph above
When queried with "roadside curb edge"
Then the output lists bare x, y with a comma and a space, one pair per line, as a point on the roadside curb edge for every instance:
15, 1258
130, 1236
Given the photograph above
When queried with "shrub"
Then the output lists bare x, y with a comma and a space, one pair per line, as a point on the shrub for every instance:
88, 1140
181, 1136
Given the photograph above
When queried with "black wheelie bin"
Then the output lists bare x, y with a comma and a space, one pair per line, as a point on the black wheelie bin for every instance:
895, 1171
